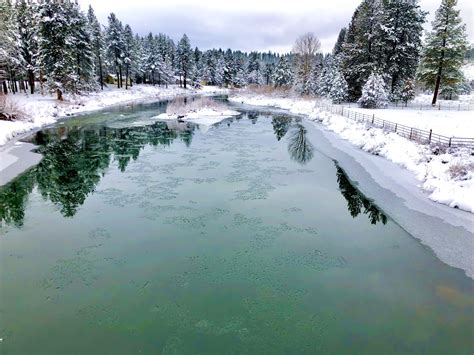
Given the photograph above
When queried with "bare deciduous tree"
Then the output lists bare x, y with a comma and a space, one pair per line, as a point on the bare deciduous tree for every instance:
305, 49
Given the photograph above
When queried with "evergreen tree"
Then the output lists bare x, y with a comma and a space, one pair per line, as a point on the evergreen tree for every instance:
130, 50
401, 34
115, 46
254, 70
338, 91
184, 58
97, 44
363, 49
283, 75
268, 73
340, 41
27, 33
444, 49
374, 94
57, 55
407, 92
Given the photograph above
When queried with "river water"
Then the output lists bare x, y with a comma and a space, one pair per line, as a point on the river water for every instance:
133, 236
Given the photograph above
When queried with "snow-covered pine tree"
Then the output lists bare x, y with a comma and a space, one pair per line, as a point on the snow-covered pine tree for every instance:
326, 76
229, 67
83, 48
340, 41
444, 49
407, 92
130, 51
183, 53
220, 71
10, 61
402, 29
98, 45
27, 33
363, 49
254, 69
374, 94
283, 75
240, 78
338, 91
57, 53
115, 46
269, 69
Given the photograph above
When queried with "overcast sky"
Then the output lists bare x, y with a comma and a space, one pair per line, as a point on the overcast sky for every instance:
246, 24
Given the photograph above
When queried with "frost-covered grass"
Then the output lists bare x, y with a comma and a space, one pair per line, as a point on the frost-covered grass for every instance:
38, 110
447, 177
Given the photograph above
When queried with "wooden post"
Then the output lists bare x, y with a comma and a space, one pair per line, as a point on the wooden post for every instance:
373, 118
396, 124
450, 141
411, 132
429, 138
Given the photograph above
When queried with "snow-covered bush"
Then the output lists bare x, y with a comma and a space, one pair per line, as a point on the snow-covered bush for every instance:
374, 94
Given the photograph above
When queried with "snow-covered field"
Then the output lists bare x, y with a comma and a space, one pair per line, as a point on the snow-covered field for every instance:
447, 178
41, 110
445, 122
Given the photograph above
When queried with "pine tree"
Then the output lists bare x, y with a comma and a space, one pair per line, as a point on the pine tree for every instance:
444, 49
374, 94
401, 36
184, 58
254, 70
97, 44
27, 33
283, 75
363, 49
130, 50
57, 55
115, 46
338, 91
9, 49
340, 41
229, 67
326, 76
407, 92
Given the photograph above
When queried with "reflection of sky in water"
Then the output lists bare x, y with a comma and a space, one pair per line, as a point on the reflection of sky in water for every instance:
243, 238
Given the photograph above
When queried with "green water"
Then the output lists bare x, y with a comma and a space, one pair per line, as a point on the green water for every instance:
240, 239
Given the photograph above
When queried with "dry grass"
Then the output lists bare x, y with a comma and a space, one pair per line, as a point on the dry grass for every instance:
459, 170
183, 106
270, 90
9, 110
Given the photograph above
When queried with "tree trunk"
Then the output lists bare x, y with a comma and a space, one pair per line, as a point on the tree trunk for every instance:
60, 94
101, 78
120, 73
185, 78
4, 86
126, 77
31, 81
440, 68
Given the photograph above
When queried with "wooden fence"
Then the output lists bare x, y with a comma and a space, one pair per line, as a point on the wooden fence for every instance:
412, 133
440, 106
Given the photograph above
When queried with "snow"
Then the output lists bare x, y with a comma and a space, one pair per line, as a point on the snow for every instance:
41, 110
468, 70
446, 178
205, 116
448, 123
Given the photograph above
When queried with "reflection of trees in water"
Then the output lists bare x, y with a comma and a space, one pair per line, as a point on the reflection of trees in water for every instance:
300, 148
74, 162
281, 125
356, 202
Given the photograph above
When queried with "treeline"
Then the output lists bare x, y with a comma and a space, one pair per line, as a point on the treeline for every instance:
378, 57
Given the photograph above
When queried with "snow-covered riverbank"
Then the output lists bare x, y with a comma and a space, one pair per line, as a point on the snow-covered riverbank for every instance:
39, 110
446, 178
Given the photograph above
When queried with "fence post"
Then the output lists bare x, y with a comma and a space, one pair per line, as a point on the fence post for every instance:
396, 124
450, 141
373, 118
429, 138
383, 124
411, 132
439, 106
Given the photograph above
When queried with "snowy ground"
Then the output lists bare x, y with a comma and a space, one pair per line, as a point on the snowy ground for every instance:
41, 110
445, 122
447, 178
